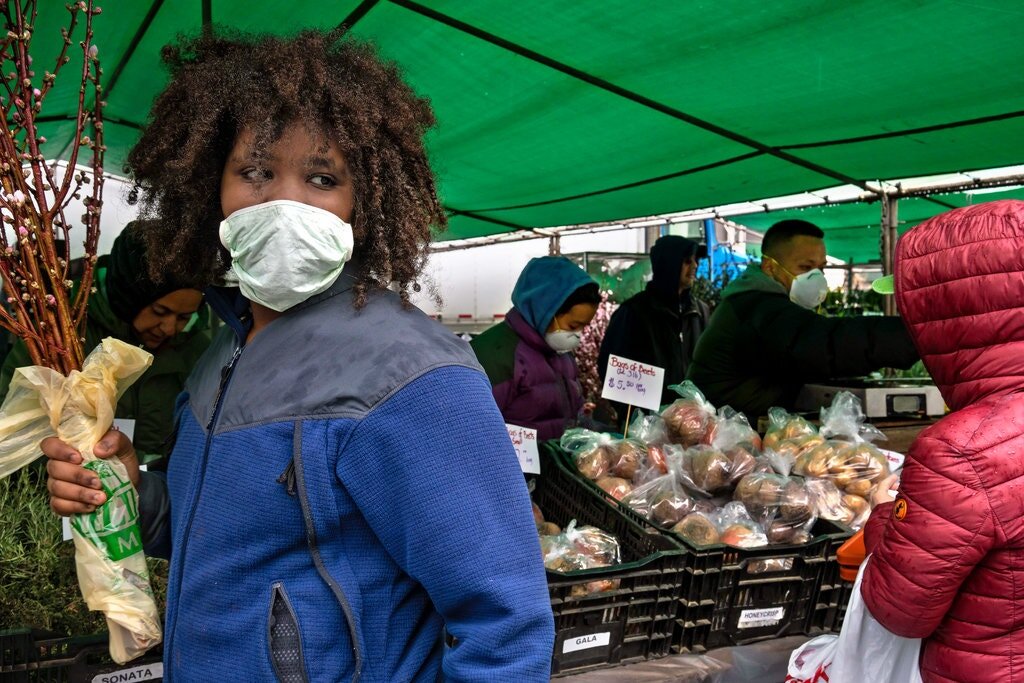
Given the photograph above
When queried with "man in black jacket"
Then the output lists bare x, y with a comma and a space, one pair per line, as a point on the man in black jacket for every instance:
765, 340
660, 325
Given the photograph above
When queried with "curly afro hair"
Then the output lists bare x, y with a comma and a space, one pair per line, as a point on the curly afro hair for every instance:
224, 82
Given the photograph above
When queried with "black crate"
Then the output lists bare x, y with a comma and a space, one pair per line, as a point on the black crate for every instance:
765, 592
833, 599
634, 621
28, 656
733, 596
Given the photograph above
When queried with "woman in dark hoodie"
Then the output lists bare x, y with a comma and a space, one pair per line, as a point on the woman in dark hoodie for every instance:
660, 325
167, 318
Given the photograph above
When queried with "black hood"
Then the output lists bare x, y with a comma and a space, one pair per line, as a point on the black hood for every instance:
129, 285
667, 257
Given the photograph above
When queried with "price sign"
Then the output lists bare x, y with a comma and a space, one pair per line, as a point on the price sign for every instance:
634, 383
524, 440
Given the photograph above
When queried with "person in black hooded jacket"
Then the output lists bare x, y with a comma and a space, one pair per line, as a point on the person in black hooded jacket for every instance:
660, 325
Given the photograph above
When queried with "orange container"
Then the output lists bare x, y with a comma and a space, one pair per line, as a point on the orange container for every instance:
850, 555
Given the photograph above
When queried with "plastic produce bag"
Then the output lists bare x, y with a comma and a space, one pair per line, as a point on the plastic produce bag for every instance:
649, 429
782, 426
855, 468
732, 430
699, 529
690, 419
782, 505
79, 409
845, 419
583, 547
663, 500
863, 651
737, 528
712, 471
832, 504
591, 451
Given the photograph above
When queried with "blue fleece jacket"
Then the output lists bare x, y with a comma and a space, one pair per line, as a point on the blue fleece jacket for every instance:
341, 489
543, 286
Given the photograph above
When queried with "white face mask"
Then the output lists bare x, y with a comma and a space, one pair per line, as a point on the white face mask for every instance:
563, 341
809, 289
284, 252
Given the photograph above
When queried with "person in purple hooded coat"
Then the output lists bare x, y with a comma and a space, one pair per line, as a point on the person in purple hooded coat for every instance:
528, 356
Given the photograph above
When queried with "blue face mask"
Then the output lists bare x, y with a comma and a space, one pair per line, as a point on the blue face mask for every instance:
284, 252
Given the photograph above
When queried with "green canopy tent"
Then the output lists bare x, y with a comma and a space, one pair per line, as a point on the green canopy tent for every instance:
853, 231
572, 112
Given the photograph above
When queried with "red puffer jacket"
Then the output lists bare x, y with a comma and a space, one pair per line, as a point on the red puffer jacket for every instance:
947, 559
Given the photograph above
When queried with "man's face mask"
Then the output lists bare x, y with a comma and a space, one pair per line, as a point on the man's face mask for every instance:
807, 289
284, 252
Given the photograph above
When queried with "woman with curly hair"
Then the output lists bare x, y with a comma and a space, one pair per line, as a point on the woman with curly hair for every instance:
321, 515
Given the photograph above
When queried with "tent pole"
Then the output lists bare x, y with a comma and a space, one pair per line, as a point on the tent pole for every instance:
890, 222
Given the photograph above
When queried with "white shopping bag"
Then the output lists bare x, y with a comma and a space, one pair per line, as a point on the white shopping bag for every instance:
812, 661
863, 651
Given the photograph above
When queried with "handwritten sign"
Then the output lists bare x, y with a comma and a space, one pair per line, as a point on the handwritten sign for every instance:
638, 384
524, 440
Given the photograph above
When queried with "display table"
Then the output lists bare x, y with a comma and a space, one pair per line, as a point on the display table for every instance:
901, 433
763, 662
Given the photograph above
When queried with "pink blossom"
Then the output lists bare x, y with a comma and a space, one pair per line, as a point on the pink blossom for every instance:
22, 231
51, 299
19, 197
37, 92
93, 51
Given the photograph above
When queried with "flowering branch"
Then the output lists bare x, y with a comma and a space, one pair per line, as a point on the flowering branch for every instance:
32, 200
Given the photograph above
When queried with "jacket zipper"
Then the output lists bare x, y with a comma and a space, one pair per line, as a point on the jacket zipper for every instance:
314, 550
225, 379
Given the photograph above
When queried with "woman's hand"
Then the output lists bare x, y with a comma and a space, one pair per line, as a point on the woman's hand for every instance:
882, 493
74, 489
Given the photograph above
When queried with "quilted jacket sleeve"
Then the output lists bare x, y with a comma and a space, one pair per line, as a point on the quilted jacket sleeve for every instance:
925, 550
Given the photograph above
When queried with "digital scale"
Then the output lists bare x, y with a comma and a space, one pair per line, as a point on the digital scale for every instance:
881, 397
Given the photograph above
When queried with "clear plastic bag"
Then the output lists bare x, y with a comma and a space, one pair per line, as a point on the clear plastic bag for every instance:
782, 426
582, 547
845, 420
660, 459
690, 419
616, 487
628, 459
737, 528
732, 430
648, 428
79, 409
591, 452
832, 504
855, 468
699, 529
710, 471
782, 505
663, 500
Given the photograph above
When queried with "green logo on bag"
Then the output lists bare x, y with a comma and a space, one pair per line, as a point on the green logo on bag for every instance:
114, 527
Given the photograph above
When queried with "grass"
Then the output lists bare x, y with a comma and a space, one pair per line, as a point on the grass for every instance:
38, 584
